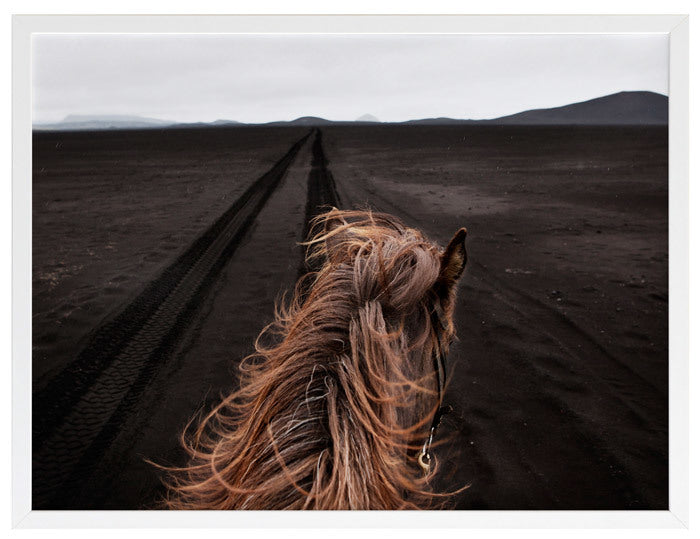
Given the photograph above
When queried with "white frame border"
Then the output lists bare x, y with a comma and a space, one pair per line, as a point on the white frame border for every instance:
676, 26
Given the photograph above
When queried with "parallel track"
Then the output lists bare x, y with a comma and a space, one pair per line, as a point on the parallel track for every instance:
321, 194
80, 411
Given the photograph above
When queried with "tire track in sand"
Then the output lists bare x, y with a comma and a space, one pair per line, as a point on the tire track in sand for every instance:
121, 474
321, 194
204, 367
80, 411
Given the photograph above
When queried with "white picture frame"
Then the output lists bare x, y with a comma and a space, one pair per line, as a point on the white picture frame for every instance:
676, 26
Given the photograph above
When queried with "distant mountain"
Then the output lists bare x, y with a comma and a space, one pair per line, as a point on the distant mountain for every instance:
304, 120
79, 122
623, 108
215, 123
441, 121
225, 122
105, 121
367, 118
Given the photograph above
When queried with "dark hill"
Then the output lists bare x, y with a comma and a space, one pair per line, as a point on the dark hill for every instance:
304, 120
80, 122
624, 108
442, 121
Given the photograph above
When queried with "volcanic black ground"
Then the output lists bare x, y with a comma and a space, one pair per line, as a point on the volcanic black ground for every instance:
158, 256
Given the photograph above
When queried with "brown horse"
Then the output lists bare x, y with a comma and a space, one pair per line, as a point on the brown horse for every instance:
338, 409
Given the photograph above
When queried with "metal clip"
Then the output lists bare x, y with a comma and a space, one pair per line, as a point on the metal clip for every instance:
424, 455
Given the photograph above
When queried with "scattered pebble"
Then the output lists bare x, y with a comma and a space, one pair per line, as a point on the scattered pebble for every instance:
518, 271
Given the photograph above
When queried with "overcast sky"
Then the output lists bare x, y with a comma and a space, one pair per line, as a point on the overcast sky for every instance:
260, 78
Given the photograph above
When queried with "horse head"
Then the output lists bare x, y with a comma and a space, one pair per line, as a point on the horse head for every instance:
338, 407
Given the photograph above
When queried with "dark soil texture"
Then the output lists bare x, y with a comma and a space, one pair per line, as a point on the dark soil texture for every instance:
158, 256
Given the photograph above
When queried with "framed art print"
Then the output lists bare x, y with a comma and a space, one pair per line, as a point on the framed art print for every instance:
351, 263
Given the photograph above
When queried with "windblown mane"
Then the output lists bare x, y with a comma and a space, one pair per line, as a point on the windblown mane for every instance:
338, 398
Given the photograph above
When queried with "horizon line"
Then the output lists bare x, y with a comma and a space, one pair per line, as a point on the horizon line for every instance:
167, 122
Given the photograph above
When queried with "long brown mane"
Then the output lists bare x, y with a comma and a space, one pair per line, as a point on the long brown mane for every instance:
338, 398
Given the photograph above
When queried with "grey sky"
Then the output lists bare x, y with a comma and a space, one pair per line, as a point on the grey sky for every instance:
259, 78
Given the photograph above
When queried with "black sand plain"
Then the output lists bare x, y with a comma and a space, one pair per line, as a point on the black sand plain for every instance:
168, 248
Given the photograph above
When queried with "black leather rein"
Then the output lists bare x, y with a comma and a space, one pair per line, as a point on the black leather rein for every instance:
439, 324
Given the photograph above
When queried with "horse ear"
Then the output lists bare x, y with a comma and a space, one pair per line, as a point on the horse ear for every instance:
453, 260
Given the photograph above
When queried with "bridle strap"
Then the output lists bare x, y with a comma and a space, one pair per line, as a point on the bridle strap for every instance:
437, 317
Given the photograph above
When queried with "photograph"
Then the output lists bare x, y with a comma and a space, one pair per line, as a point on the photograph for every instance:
349, 271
